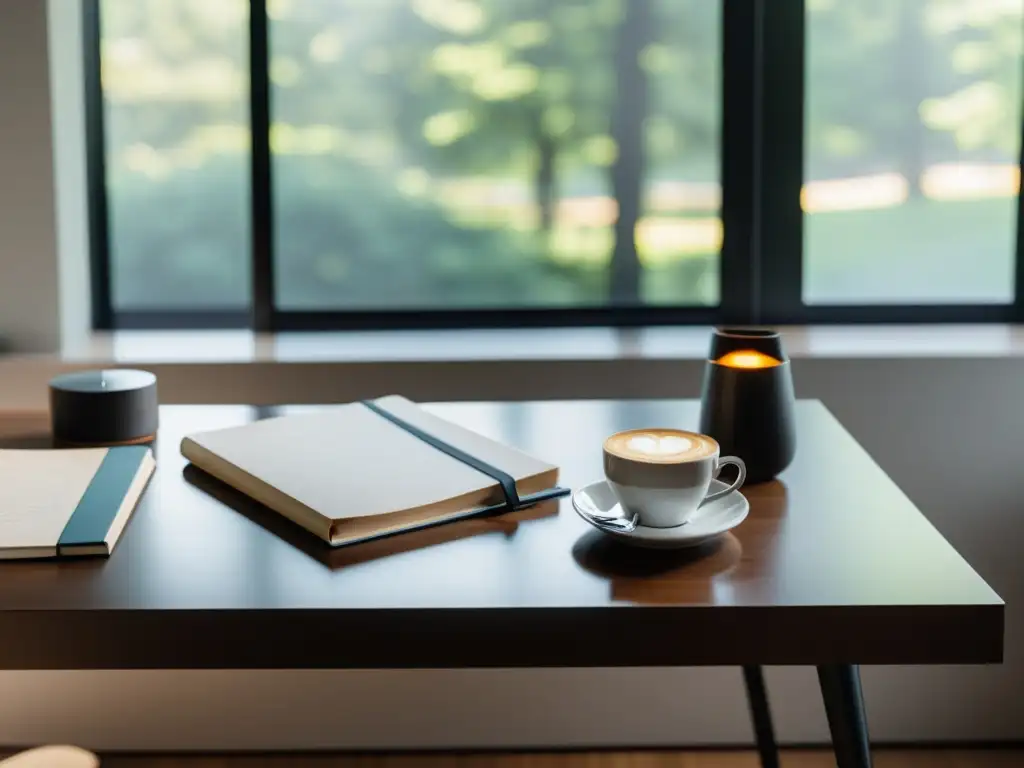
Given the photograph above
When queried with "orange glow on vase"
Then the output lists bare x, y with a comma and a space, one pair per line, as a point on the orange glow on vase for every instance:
747, 358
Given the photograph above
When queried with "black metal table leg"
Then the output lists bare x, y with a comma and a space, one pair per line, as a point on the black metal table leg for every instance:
844, 705
761, 716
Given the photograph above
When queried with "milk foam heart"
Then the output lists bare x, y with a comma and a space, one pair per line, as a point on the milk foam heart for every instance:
659, 444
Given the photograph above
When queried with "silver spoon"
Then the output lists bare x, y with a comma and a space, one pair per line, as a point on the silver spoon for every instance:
618, 524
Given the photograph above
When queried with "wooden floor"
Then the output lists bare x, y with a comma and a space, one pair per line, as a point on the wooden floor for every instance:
792, 759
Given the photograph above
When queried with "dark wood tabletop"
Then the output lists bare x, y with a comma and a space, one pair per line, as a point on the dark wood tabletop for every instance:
833, 565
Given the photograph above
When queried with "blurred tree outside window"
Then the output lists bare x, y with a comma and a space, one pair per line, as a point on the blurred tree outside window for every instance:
913, 126
175, 79
426, 153
548, 153
479, 153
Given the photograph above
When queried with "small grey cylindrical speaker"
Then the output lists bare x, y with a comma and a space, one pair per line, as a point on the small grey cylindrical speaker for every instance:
110, 407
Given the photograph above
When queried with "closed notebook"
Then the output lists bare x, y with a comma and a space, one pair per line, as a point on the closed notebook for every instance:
68, 503
349, 473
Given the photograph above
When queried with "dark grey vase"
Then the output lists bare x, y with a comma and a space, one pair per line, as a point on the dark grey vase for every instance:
749, 411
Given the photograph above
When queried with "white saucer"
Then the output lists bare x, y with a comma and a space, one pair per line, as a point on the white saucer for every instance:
711, 520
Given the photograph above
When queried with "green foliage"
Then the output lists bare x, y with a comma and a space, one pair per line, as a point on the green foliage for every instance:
893, 84
351, 241
182, 240
377, 104
348, 238
981, 108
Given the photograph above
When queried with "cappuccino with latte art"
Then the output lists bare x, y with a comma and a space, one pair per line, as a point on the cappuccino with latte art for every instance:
662, 477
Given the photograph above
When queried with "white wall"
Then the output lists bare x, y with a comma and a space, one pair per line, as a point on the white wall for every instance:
29, 288
948, 432
67, 102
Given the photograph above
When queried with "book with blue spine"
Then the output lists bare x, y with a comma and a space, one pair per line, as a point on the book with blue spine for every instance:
69, 503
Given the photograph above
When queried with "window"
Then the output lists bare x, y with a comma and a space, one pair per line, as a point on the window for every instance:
913, 148
381, 163
475, 153
176, 129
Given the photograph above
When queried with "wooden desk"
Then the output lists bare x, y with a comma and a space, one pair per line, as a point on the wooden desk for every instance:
834, 567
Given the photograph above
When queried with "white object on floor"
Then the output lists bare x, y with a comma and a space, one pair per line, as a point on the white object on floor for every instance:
52, 757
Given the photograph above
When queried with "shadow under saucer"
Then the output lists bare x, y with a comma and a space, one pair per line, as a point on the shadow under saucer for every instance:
655, 575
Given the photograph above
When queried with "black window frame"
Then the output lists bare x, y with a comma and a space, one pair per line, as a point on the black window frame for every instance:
763, 46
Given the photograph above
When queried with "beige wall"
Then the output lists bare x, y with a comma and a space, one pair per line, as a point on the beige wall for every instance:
44, 264
947, 431
29, 288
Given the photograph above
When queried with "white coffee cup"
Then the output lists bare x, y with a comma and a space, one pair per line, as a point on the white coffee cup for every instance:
661, 477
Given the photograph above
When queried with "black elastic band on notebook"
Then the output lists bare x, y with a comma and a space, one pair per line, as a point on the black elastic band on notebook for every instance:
505, 480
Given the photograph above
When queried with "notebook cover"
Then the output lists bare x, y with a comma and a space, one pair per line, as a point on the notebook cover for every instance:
340, 463
72, 502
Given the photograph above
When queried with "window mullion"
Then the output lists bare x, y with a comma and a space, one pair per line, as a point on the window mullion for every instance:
262, 245
781, 109
740, 33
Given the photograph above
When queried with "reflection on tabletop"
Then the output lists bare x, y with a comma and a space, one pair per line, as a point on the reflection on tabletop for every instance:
769, 508
388, 546
761, 535
652, 576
